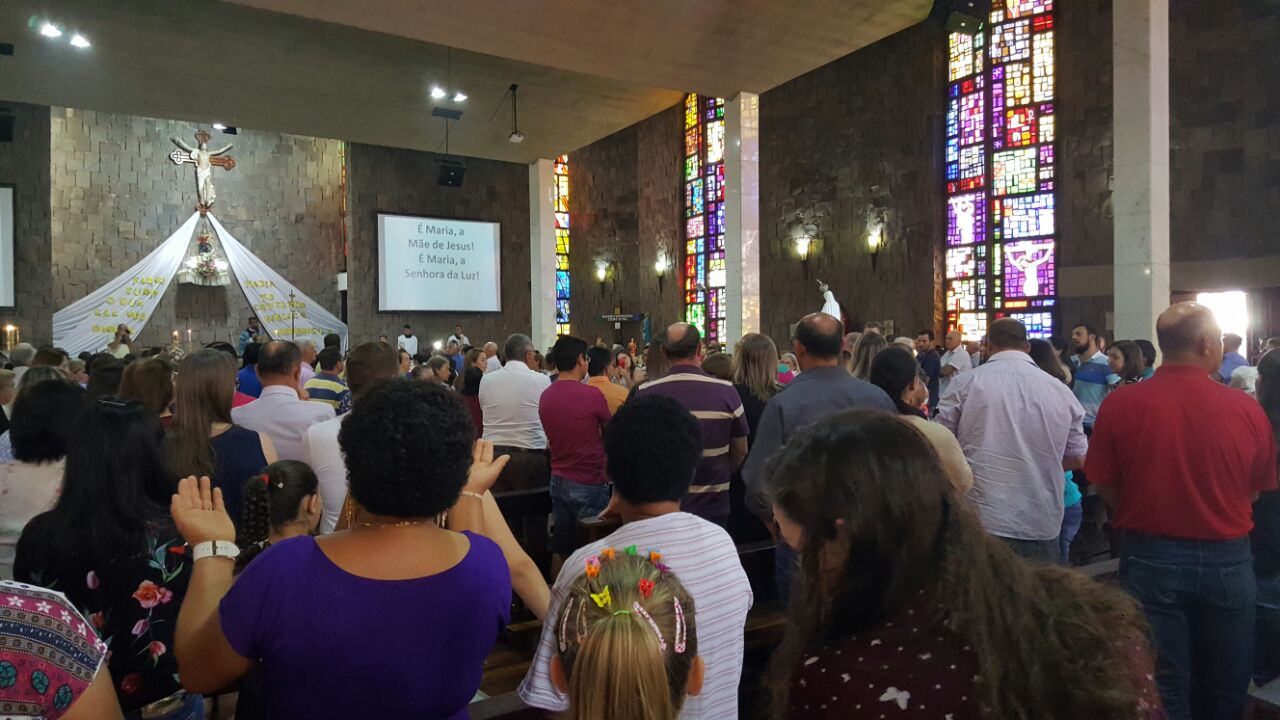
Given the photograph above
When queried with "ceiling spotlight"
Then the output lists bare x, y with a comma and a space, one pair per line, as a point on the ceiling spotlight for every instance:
219, 126
459, 96
50, 30
438, 92
516, 137
79, 41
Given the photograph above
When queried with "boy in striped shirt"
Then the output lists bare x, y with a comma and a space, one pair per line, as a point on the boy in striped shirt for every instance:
653, 452
327, 385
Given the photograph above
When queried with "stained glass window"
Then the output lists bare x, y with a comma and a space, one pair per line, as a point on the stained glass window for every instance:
704, 266
560, 206
1001, 258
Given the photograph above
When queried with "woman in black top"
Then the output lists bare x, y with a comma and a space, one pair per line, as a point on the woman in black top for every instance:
755, 377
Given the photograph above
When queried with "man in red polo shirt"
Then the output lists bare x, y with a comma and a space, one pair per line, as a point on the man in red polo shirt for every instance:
1180, 459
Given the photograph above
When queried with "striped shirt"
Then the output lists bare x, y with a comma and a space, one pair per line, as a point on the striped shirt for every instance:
718, 408
330, 390
704, 558
1091, 384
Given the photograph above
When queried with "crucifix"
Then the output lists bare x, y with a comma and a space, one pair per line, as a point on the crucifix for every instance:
293, 317
1027, 262
204, 159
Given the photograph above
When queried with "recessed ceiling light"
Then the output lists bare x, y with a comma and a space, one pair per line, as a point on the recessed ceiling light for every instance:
219, 126
50, 30
459, 96
79, 41
438, 92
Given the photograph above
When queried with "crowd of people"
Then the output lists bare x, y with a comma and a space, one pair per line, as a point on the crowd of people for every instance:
318, 530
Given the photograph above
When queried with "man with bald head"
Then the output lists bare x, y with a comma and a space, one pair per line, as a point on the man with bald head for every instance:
823, 388
954, 361
279, 412
718, 408
1180, 458
491, 360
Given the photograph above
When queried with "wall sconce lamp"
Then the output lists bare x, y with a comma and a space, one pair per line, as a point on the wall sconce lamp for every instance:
660, 267
875, 241
804, 250
602, 273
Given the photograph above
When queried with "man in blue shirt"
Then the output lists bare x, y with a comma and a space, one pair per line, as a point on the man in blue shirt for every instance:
248, 334
931, 364
1091, 371
1231, 357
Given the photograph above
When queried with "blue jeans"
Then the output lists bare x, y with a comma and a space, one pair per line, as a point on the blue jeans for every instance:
1072, 517
1199, 598
570, 502
191, 707
1267, 666
1042, 551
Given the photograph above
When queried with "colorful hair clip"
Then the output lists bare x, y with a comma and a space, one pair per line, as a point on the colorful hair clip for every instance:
632, 551
603, 598
621, 612
265, 480
593, 566
661, 568
608, 553
646, 588
564, 623
680, 629
639, 610
581, 622
655, 557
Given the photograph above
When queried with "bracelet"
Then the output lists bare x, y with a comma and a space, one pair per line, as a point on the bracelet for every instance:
468, 493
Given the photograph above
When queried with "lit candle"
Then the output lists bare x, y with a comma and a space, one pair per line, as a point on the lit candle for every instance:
189, 339
175, 338
9, 332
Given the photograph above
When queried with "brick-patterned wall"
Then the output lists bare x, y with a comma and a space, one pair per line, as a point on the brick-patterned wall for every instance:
626, 192
382, 179
24, 164
872, 119
116, 196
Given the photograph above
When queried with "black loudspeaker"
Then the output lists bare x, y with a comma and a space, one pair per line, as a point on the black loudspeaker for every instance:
450, 172
6, 127
967, 16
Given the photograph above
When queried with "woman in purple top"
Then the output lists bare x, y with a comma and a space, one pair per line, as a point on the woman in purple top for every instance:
391, 618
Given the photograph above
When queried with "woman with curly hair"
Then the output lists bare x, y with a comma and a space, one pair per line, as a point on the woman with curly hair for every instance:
906, 606
392, 617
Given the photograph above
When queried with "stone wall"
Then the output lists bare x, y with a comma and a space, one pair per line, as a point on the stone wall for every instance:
863, 131
625, 194
115, 196
24, 164
382, 179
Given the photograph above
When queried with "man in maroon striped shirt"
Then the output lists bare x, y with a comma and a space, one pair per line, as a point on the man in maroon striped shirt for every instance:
718, 409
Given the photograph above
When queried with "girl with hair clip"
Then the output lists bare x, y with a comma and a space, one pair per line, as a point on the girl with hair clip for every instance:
628, 646
282, 502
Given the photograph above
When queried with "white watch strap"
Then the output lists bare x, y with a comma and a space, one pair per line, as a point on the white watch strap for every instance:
214, 548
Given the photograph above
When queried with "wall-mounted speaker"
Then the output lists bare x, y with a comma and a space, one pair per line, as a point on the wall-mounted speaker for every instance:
967, 16
449, 172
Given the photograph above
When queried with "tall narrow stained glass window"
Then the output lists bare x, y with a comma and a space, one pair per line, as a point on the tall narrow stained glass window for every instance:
1001, 243
560, 206
704, 263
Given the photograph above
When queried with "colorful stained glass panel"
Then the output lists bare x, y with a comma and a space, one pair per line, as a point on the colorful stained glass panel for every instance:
1029, 269
971, 124
1026, 216
1013, 171
1011, 42
966, 219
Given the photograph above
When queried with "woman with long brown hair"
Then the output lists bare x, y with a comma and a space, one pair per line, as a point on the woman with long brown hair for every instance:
905, 604
150, 382
755, 375
865, 349
203, 441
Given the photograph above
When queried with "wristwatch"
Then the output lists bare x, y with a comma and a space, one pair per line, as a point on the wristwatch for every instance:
214, 548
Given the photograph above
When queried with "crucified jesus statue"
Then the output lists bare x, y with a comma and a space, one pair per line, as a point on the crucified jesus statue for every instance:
1027, 262
204, 159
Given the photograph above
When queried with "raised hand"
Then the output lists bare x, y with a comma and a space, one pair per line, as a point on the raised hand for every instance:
485, 468
199, 512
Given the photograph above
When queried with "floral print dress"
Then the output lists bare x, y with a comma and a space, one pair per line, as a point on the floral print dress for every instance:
133, 603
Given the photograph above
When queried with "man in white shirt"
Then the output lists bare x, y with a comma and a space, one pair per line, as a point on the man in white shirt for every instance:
491, 360
509, 401
278, 412
308, 362
459, 337
1020, 428
954, 361
408, 341
367, 364
654, 449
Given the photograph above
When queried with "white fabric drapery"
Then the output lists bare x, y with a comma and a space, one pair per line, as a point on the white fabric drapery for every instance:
89, 324
268, 295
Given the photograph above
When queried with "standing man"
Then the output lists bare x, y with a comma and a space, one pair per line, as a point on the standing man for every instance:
573, 416
875, 326
822, 388
954, 361
1180, 459
491, 360
248, 334
122, 346
931, 364
454, 353
407, 341
1231, 357
599, 362
1091, 371
278, 412
1019, 427
509, 399
459, 338
327, 386
309, 353
720, 416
